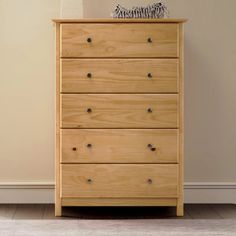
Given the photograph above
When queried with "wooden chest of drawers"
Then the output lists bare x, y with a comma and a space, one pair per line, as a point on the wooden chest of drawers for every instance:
119, 113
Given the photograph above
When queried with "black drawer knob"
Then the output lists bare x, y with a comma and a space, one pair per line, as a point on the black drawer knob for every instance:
89, 110
149, 76
89, 180
150, 146
149, 110
74, 149
149, 181
89, 40
89, 145
149, 40
89, 75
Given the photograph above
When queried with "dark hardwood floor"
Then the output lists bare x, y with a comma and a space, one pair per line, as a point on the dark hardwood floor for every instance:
46, 211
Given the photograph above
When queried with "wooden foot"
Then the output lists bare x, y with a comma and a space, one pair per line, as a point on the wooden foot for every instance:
58, 210
180, 209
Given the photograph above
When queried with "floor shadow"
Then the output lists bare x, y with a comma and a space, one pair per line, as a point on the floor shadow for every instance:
119, 212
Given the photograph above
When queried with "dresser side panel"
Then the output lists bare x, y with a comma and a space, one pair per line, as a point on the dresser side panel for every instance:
180, 210
57, 151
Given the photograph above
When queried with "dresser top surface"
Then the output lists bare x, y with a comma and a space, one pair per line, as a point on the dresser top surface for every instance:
111, 20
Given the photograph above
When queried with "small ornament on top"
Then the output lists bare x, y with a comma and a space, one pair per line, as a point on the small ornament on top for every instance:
156, 10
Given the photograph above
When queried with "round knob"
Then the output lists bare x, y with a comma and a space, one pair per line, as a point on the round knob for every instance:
74, 148
89, 145
149, 110
153, 149
89, 180
89, 75
89, 110
149, 181
149, 76
149, 40
89, 40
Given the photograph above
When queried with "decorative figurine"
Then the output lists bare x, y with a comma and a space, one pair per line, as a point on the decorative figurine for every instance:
156, 10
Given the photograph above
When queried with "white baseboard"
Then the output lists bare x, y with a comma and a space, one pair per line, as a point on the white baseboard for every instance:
27, 192
43, 192
210, 192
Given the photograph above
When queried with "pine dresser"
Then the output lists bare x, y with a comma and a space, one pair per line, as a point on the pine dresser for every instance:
119, 113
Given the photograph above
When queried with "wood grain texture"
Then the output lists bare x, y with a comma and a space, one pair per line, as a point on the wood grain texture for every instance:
57, 138
225, 211
49, 212
119, 75
29, 211
119, 180
7, 211
119, 146
197, 211
119, 111
127, 21
202, 211
180, 201
119, 40
119, 201
118, 94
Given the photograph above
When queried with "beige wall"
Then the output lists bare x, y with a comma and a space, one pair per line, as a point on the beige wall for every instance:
27, 86
27, 89
71, 9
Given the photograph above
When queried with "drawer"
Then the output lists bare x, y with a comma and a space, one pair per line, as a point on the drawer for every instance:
119, 180
119, 75
119, 146
119, 40
119, 111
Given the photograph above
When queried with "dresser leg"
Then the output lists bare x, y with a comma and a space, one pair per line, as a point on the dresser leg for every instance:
180, 208
58, 210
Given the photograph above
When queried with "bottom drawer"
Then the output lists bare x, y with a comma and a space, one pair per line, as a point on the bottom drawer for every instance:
119, 180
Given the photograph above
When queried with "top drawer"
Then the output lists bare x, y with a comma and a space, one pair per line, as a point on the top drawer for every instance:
119, 40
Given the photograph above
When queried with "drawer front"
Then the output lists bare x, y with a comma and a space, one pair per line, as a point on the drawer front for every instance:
119, 111
119, 75
119, 40
119, 180
119, 146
